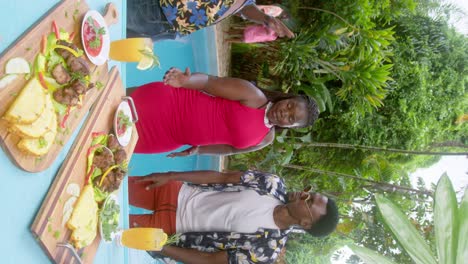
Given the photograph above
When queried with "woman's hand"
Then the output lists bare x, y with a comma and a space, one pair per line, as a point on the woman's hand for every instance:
188, 152
176, 78
278, 26
156, 179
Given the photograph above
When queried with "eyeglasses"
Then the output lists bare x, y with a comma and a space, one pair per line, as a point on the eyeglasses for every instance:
307, 197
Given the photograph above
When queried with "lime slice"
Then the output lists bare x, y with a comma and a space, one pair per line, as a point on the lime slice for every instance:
7, 79
145, 63
17, 65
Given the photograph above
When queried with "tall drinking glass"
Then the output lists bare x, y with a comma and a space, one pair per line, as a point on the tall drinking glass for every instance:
144, 238
131, 49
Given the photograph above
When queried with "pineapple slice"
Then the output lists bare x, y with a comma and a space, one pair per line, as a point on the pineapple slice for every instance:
39, 127
40, 146
84, 219
29, 104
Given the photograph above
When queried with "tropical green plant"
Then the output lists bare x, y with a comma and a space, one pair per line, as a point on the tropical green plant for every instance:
450, 225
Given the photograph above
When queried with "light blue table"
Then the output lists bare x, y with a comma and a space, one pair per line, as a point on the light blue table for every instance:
22, 193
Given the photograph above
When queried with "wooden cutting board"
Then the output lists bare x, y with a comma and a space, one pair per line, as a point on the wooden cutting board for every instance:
48, 227
68, 15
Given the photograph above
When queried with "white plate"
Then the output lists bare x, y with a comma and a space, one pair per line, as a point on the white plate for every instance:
111, 196
102, 57
125, 138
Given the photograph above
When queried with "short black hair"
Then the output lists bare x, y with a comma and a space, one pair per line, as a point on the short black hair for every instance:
327, 223
312, 110
311, 105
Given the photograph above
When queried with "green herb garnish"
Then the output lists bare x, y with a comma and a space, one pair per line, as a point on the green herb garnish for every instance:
109, 218
42, 142
123, 122
99, 85
75, 14
98, 31
38, 159
173, 239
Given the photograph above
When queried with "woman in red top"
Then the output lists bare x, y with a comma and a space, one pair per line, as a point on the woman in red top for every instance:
219, 116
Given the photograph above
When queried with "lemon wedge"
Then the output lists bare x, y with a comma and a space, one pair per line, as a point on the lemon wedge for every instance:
7, 79
148, 59
17, 65
145, 63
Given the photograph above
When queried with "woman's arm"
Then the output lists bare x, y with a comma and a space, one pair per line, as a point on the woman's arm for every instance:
252, 13
193, 256
230, 88
197, 177
230, 150
224, 149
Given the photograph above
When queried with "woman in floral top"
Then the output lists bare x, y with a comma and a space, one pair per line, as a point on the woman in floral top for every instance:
235, 217
155, 17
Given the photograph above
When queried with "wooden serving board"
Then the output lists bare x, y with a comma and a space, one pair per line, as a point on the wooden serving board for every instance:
68, 15
48, 227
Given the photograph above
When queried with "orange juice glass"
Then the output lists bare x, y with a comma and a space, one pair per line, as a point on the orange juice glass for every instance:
128, 50
144, 238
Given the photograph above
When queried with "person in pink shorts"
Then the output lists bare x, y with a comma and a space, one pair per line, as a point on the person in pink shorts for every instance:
258, 33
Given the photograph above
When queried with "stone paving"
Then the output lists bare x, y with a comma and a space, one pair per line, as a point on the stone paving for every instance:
223, 49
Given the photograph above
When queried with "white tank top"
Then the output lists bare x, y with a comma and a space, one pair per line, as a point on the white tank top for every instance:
209, 211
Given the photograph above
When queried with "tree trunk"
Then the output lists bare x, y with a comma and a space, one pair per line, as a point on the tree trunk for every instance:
388, 187
449, 144
412, 152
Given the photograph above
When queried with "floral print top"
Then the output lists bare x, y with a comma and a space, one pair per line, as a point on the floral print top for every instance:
188, 16
263, 246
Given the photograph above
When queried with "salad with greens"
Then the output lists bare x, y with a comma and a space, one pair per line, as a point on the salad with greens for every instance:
109, 218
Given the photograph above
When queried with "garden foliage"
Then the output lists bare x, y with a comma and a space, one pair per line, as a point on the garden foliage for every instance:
385, 74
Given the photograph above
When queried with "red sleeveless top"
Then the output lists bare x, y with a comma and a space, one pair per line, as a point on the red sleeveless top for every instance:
171, 117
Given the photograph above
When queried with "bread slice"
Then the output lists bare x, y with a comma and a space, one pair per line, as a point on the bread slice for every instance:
39, 127
84, 219
29, 104
40, 146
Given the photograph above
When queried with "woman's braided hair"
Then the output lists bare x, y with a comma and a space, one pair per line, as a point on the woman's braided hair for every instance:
311, 104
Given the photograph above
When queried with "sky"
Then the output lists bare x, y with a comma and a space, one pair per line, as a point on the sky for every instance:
461, 23
456, 168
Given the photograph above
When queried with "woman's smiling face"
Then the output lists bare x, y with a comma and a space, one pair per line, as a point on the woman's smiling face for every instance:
288, 113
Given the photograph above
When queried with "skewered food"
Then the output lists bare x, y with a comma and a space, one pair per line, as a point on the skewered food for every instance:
107, 164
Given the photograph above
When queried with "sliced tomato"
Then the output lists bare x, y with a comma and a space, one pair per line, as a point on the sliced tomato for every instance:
97, 134
55, 29
72, 36
65, 117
